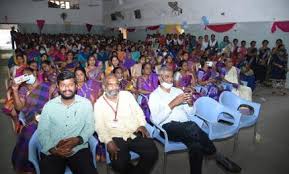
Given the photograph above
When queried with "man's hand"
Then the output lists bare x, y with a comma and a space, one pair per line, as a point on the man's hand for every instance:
69, 143
189, 98
177, 101
112, 150
143, 131
62, 152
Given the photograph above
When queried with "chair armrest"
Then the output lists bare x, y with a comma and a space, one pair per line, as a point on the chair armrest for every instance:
163, 131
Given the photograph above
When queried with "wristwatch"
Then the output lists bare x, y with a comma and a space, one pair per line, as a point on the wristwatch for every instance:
80, 140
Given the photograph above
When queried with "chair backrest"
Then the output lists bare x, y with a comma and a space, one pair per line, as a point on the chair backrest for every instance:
230, 100
34, 152
207, 108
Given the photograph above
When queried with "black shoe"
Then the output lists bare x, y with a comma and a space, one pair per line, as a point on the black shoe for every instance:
227, 164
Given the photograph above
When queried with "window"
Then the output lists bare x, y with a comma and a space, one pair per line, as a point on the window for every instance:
64, 4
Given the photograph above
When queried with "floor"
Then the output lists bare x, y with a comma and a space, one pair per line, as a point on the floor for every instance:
269, 155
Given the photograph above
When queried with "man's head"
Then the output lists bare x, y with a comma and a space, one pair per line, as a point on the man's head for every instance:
66, 85
166, 77
111, 86
228, 62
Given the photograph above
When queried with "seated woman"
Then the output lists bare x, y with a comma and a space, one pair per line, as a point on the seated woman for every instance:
146, 84
184, 78
21, 64
247, 75
70, 64
89, 89
29, 101
279, 69
94, 69
169, 62
207, 79
124, 83
230, 76
137, 68
113, 63
49, 73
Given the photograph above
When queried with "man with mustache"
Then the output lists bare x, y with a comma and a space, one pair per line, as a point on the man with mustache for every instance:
65, 125
120, 124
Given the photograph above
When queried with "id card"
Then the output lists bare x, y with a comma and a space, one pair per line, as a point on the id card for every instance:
114, 124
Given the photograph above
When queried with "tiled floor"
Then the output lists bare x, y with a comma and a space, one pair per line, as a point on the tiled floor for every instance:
269, 156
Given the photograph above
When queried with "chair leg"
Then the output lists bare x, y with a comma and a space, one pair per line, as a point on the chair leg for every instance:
165, 163
107, 169
255, 133
235, 146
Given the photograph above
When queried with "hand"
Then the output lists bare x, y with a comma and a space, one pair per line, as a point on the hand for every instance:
112, 150
69, 143
15, 86
62, 152
143, 131
177, 101
189, 99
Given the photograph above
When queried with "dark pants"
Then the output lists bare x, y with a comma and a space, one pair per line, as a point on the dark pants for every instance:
79, 163
194, 138
144, 147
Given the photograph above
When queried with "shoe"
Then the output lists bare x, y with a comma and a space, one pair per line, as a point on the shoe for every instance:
227, 164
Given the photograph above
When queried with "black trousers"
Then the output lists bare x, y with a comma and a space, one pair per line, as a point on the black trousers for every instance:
194, 138
144, 147
79, 163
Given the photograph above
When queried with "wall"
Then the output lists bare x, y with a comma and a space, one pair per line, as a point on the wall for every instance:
158, 12
26, 12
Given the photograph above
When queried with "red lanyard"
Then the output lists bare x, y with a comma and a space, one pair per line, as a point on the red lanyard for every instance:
114, 110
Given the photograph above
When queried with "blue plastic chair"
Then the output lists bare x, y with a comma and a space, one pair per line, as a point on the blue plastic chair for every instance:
35, 147
133, 155
213, 113
234, 102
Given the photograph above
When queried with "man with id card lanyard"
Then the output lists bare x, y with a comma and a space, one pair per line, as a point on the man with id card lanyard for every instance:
120, 124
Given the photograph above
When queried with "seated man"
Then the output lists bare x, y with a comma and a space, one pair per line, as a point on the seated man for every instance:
65, 125
120, 124
172, 114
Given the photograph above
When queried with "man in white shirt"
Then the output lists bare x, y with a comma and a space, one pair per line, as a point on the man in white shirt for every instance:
173, 110
120, 124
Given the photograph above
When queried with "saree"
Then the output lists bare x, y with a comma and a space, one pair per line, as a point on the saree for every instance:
242, 91
35, 100
211, 89
150, 85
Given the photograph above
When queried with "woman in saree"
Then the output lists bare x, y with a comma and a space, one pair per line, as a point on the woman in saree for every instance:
94, 69
29, 100
137, 68
146, 84
70, 63
113, 63
279, 70
184, 78
230, 76
206, 76
91, 90
21, 64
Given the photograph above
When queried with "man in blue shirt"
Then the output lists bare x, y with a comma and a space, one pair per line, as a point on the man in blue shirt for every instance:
65, 125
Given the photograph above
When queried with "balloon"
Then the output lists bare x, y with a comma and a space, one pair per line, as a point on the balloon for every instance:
162, 26
185, 25
205, 20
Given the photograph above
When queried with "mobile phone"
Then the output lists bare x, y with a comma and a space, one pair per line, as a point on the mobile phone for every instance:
21, 79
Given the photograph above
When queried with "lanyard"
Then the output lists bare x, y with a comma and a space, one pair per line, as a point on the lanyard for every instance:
114, 110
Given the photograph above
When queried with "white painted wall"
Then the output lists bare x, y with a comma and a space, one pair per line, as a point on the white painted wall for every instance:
27, 11
156, 12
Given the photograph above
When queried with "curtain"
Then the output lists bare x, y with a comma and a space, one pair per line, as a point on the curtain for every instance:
40, 23
156, 27
282, 25
220, 28
88, 27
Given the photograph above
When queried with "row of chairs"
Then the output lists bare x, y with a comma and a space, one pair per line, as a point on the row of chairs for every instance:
221, 122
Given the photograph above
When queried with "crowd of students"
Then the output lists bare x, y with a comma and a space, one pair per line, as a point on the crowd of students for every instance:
201, 64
